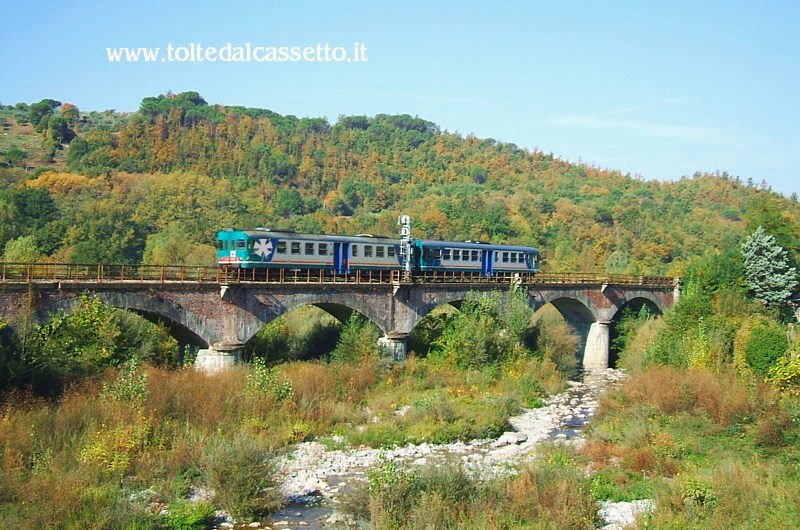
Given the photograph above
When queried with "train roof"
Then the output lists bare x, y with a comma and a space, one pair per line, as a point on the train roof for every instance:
366, 238
472, 245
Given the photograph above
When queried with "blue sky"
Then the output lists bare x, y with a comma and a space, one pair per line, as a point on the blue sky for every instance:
659, 90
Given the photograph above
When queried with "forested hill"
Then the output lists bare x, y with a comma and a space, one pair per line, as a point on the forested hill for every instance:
156, 184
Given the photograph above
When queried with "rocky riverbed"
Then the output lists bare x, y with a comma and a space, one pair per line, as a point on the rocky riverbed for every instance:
313, 476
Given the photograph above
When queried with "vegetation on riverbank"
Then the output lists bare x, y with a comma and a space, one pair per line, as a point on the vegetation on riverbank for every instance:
120, 445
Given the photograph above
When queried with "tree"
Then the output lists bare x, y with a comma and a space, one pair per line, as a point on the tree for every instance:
15, 156
767, 272
22, 250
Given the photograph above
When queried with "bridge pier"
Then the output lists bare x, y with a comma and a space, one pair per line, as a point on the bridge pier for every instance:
596, 349
221, 356
394, 345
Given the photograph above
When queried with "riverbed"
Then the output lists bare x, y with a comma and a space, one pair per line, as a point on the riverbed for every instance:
313, 476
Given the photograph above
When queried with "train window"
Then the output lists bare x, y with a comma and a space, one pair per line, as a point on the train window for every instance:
456, 255
309, 249
390, 251
367, 251
446, 254
513, 257
281, 247
219, 244
354, 251
522, 257
437, 253
476, 255
323, 249
379, 251
505, 257
241, 244
295, 247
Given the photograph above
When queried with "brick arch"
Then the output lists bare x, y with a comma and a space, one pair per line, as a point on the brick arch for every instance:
654, 303
185, 325
422, 310
340, 306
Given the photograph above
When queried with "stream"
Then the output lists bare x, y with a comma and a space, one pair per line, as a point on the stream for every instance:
313, 476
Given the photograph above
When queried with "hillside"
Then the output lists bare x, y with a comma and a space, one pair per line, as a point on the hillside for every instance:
156, 184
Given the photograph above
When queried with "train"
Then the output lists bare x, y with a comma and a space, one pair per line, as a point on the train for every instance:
266, 248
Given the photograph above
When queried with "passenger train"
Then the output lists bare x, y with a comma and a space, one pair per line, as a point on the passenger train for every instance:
284, 249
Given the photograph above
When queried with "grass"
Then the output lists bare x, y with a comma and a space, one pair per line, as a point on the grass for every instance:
552, 493
79, 460
712, 451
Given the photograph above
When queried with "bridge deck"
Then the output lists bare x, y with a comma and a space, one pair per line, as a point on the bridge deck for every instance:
25, 273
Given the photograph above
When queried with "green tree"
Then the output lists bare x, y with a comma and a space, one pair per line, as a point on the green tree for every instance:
15, 156
22, 250
37, 112
767, 272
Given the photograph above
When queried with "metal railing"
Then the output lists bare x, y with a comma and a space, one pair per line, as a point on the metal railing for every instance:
23, 273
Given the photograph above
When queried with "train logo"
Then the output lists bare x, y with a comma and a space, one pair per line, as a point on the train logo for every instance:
264, 248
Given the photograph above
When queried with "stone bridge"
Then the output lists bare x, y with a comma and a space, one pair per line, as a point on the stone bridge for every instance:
219, 313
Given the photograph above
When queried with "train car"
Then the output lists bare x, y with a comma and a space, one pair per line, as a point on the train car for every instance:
285, 249
483, 258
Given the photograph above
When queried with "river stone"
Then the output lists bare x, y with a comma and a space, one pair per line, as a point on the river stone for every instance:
510, 438
619, 515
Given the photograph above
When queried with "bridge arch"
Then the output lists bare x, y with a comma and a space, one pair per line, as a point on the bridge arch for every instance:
635, 303
185, 327
340, 306
422, 310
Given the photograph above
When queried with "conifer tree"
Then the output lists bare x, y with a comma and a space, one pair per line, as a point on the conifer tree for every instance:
767, 272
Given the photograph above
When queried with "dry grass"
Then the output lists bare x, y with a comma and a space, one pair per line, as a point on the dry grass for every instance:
723, 397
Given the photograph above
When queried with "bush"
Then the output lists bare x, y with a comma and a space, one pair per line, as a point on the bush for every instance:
759, 343
242, 474
357, 342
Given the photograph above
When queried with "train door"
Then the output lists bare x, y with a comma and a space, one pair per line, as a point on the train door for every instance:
341, 257
487, 263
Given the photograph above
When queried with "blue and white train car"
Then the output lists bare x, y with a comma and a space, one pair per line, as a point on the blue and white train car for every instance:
265, 248
483, 258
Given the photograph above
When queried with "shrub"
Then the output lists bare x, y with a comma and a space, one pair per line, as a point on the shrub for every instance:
242, 474
785, 375
759, 343
130, 386
263, 380
358, 340
187, 516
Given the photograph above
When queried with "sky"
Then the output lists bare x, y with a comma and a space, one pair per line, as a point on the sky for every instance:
657, 90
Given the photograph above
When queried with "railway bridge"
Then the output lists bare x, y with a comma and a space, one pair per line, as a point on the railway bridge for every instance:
219, 309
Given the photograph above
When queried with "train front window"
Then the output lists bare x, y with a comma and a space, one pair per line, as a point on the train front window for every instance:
219, 244
241, 244
295, 248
